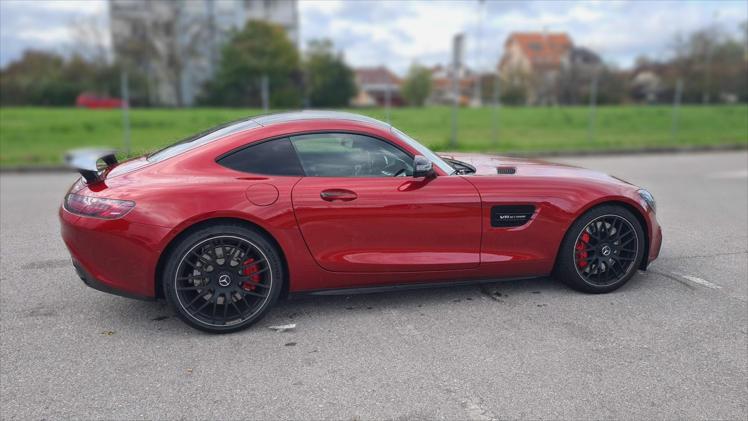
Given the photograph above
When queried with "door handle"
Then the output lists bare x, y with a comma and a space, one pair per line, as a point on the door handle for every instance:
338, 194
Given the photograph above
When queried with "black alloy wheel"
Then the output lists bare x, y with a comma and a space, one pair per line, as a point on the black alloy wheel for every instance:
223, 281
602, 250
606, 250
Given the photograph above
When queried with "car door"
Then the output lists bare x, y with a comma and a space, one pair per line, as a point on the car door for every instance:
360, 210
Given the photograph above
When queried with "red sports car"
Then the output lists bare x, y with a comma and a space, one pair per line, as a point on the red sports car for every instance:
223, 223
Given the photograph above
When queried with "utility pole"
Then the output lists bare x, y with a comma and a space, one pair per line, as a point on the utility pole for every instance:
708, 65
478, 88
387, 100
591, 130
707, 74
457, 45
675, 128
305, 88
496, 103
125, 91
212, 35
265, 93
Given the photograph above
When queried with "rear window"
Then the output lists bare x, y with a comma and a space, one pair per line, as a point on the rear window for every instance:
274, 157
201, 139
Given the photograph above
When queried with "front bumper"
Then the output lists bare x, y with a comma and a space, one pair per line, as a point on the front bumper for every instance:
655, 239
115, 256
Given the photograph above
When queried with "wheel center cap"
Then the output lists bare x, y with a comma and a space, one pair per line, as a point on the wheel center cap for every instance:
224, 280
605, 250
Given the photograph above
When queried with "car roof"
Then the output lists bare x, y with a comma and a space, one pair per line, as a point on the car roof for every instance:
286, 117
233, 127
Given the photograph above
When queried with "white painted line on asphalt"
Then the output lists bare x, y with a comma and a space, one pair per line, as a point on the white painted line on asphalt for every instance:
730, 174
697, 280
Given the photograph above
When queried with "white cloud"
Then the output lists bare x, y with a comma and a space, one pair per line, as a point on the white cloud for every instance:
396, 33
83, 7
326, 6
585, 13
49, 36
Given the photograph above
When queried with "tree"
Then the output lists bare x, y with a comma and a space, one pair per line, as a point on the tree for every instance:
43, 78
89, 39
33, 79
260, 50
329, 81
577, 73
164, 45
612, 86
417, 85
712, 64
514, 87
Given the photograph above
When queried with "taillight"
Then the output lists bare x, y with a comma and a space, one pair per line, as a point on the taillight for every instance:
97, 207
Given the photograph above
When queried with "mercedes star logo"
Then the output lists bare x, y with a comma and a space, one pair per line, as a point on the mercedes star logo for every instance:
605, 250
224, 280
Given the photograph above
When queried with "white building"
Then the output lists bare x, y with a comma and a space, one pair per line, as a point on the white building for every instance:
177, 43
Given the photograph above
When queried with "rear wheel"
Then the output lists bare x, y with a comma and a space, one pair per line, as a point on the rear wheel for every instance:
602, 250
223, 278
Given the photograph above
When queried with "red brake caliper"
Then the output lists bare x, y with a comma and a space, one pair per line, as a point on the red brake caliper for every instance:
581, 249
249, 269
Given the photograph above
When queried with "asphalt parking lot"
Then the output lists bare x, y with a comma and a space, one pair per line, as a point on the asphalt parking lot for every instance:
672, 343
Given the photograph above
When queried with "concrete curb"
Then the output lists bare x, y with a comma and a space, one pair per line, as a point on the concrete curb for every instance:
21, 169
35, 169
641, 151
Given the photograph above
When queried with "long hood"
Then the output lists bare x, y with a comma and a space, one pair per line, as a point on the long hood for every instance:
501, 166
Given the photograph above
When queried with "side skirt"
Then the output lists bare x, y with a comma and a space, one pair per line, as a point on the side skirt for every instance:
406, 287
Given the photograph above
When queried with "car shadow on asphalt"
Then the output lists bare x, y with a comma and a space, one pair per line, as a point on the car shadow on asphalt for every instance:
160, 318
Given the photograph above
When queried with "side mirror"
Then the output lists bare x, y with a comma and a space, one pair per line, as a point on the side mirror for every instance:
422, 167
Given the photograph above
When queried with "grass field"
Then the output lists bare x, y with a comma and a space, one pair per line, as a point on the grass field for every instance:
39, 136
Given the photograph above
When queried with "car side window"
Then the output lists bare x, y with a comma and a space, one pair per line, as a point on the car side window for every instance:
273, 157
350, 155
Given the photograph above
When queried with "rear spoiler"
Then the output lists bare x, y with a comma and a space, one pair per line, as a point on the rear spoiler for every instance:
86, 162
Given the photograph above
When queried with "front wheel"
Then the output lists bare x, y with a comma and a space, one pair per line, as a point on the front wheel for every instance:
602, 250
222, 278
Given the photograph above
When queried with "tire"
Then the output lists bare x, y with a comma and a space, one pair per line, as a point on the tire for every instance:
601, 251
223, 278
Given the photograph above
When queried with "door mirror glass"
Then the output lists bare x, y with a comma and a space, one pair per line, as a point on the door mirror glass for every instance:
422, 167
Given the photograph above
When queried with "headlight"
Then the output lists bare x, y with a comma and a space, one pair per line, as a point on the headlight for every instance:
647, 196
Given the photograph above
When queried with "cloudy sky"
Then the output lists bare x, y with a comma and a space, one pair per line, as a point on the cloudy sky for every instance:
397, 33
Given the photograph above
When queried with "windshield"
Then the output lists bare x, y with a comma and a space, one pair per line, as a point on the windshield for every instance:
201, 139
424, 151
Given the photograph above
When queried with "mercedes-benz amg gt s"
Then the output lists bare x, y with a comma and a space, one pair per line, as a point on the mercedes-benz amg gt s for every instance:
224, 223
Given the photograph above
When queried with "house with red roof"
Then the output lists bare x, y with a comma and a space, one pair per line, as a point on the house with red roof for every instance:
377, 85
442, 90
535, 59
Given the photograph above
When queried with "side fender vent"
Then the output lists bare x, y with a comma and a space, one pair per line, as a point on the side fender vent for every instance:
511, 215
506, 170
